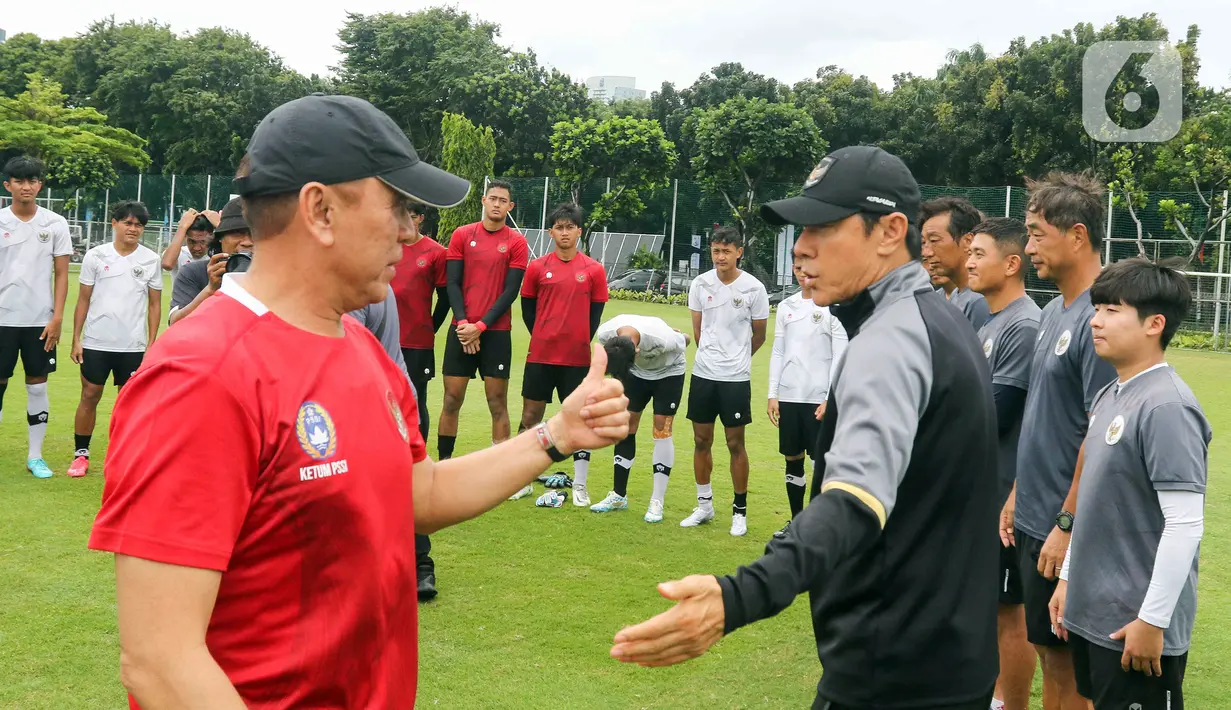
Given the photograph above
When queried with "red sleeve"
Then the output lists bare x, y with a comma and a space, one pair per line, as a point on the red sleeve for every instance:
175, 493
457, 246
439, 273
598, 283
519, 252
530, 284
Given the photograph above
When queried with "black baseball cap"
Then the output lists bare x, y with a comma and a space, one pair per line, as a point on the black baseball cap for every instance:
860, 178
232, 218
336, 139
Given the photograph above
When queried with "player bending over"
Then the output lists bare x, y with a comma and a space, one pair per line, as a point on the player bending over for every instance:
562, 299
647, 355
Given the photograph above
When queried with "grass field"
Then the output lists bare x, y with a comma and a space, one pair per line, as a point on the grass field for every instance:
530, 598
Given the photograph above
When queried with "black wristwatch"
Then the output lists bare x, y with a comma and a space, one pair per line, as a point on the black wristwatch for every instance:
1064, 521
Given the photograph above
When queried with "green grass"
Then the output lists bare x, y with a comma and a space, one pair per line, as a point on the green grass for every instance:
530, 598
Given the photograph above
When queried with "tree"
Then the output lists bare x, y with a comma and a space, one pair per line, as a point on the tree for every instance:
1199, 158
744, 144
24, 54
634, 153
729, 80
77, 145
845, 109
468, 151
417, 66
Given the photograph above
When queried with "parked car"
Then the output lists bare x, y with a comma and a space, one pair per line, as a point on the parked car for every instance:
679, 284
636, 280
779, 296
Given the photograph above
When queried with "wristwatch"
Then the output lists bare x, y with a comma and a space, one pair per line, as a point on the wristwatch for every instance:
549, 445
1064, 521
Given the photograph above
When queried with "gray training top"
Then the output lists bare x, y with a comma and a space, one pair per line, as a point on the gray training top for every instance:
1008, 340
381, 319
190, 281
1151, 435
973, 305
1065, 378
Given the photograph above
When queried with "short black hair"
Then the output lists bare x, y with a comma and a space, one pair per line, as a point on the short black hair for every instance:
566, 212
1068, 199
1153, 289
121, 211
499, 183
201, 224
963, 215
24, 167
914, 238
415, 207
620, 354
1010, 236
727, 235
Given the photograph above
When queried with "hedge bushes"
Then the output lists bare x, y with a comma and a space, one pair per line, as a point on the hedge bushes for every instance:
623, 294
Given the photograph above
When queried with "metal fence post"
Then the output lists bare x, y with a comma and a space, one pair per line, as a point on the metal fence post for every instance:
1008, 199
1222, 258
543, 221
209, 179
1107, 237
675, 198
486, 179
77, 205
170, 213
139, 180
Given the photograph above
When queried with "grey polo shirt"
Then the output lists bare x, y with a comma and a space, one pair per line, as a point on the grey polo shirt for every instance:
1146, 436
1008, 340
973, 305
1065, 378
381, 319
190, 281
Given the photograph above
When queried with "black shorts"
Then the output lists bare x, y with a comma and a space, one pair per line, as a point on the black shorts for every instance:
36, 361
798, 429
980, 704
1101, 679
730, 401
492, 360
1036, 591
541, 380
420, 364
1010, 582
96, 365
665, 392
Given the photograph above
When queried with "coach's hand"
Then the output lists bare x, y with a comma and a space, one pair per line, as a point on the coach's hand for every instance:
1007, 515
1051, 558
51, 334
217, 267
77, 353
681, 633
595, 415
1143, 648
774, 412
1055, 609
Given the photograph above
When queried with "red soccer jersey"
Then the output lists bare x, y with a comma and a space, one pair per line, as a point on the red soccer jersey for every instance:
418, 274
486, 259
564, 290
294, 483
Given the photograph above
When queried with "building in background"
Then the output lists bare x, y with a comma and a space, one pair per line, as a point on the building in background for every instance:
1, 34
613, 88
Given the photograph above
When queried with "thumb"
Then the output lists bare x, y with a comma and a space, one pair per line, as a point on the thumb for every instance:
598, 363
1119, 635
675, 591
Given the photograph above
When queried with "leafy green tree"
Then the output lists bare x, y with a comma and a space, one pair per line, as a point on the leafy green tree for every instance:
24, 54
846, 110
1198, 159
468, 151
77, 145
634, 153
643, 258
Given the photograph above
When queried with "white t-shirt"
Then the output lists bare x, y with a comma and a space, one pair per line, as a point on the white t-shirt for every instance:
184, 257
727, 312
27, 267
808, 342
117, 317
661, 350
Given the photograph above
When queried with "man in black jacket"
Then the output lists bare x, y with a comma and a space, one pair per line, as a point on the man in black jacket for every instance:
895, 550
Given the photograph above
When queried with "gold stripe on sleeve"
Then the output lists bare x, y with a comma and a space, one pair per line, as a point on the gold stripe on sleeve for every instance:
866, 498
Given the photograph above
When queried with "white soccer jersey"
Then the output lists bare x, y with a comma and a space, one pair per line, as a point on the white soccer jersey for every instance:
727, 311
661, 350
27, 252
117, 317
184, 257
808, 342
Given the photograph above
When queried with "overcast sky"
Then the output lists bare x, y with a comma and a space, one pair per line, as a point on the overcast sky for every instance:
677, 40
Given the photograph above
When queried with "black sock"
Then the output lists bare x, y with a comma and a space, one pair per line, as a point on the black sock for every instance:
3, 387
82, 443
624, 453
795, 486
445, 444
740, 506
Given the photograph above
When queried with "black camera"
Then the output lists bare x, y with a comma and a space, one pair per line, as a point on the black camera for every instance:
238, 262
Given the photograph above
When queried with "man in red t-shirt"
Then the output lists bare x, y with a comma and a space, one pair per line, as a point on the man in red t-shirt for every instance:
562, 300
420, 272
486, 263
271, 563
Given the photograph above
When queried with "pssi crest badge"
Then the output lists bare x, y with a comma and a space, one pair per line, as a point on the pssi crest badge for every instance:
315, 431
818, 173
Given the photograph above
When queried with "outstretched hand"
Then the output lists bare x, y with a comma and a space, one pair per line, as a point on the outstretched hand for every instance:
680, 633
595, 415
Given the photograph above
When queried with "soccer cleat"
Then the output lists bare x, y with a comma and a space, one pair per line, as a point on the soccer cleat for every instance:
529, 489
427, 585
80, 467
581, 497
38, 468
655, 513
699, 516
739, 525
782, 533
613, 501
551, 499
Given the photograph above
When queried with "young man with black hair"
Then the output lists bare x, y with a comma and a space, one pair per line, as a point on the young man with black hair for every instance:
197, 281
1064, 219
997, 271
191, 240
946, 224
562, 300
808, 344
35, 247
1128, 591
486, 263
119, 305
730, 310
648, 356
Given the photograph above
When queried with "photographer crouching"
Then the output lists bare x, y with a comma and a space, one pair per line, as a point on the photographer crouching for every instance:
229, 251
